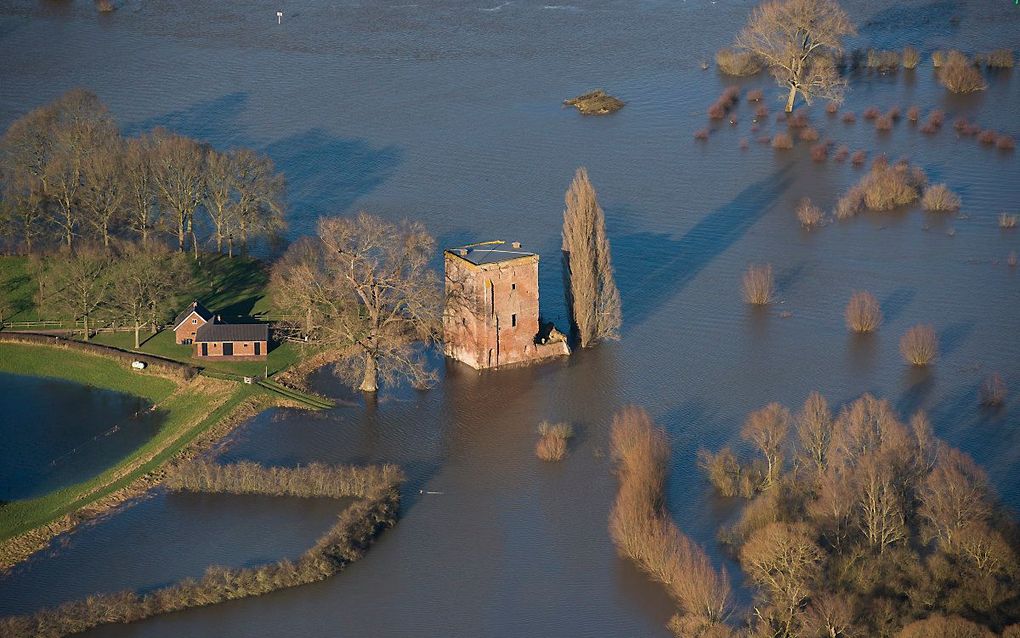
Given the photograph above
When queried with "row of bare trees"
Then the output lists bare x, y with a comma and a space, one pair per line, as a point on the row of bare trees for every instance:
140, 284
858, 524
67, 175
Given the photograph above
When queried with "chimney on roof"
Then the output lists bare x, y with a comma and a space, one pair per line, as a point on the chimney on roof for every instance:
516, 245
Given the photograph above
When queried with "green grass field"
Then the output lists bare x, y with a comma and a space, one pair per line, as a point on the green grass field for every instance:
234, 288
188, 411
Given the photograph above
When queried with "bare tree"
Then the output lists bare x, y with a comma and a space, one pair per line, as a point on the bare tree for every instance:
81, 125
220, 203
814, 431
142, 212
146, 279
797, 40
881, 511
767, 429
594, 298
376, 298
105, 190
178, 165
954, 495
292, 292
786, 562
259, 196
81, 284
24, 153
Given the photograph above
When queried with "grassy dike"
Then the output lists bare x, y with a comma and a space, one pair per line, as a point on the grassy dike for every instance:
196, 413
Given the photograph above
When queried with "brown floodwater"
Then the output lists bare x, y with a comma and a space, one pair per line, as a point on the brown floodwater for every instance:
449, 112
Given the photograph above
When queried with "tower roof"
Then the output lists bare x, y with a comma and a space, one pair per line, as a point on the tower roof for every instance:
490, 252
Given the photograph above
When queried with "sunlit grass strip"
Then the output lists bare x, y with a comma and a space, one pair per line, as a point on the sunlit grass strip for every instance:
377, 491
192, 409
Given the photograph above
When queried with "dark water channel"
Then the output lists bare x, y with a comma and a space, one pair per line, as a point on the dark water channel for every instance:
56, 433
449, 112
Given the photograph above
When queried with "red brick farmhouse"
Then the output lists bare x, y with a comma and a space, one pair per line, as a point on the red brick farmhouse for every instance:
213, 338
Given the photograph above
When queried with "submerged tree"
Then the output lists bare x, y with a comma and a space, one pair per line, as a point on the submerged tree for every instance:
593, 296
798, 40
363, 288
178, 175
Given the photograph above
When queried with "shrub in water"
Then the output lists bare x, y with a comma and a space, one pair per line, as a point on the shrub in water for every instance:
842, 153
886, 187
937, 59
987, 137
1011, 259
919, 346
1000, 59
717, 111
859, 158
863, 314
808, 214
758, 285
849, 117
911, 58
913, 113
809, 134
939, 199
936, 117
993, 391
820, 152
883, 60
701, 134
851, 203
1007, 221
883, 123
755, 95
739, 63
894, 113
552, 442
782, 141
1005, 143
761, 112
959, 75
832, 108
871, 113
961, 124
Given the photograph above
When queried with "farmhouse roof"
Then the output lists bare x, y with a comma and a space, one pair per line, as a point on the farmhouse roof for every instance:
232, 332
490, 252
196, 308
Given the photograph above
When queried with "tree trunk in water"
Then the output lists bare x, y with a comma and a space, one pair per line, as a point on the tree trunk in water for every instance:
790, 100
371, 381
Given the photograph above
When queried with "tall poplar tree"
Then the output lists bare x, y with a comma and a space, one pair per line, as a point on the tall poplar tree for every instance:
593, 296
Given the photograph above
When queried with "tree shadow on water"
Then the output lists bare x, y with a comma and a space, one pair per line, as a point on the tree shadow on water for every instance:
651, 267
327, 174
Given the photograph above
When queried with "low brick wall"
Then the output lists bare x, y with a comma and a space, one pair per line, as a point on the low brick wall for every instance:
158, 364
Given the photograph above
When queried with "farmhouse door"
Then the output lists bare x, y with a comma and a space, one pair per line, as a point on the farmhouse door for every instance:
228, 349
205, 349
258, 348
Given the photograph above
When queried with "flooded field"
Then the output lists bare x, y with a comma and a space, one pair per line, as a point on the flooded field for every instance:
57, 433
450, 113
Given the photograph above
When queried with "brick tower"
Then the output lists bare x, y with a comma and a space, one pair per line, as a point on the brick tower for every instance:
491, 316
